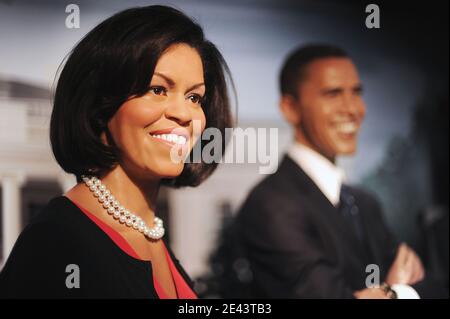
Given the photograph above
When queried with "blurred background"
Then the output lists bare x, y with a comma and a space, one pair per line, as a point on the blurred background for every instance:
403, 147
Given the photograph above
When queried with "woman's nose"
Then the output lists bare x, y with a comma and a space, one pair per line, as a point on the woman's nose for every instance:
178, 111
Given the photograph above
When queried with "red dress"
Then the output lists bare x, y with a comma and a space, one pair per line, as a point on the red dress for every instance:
182, 288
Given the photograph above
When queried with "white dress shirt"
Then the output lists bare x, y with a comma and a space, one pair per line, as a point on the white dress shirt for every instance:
329, 178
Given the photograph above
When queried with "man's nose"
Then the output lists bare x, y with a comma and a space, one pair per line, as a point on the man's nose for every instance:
178, 111
351, 103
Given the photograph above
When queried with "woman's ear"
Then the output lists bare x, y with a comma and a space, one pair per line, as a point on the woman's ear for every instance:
290, 108
104, 138
107, 138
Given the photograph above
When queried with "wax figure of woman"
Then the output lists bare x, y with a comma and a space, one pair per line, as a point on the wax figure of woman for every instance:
126, 106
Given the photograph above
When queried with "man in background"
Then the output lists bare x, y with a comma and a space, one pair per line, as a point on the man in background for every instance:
304, 231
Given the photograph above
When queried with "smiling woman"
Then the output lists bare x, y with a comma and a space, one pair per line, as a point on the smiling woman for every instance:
146, 127
132, 90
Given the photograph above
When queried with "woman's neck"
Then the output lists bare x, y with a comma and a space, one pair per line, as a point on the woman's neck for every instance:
137, 195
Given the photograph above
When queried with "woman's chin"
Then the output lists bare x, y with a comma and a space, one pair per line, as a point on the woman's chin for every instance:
170, 171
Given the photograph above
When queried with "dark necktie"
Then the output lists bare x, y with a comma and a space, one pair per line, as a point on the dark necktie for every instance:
350, 211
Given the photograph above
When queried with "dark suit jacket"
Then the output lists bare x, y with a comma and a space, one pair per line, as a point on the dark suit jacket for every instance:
299, 246
62, 235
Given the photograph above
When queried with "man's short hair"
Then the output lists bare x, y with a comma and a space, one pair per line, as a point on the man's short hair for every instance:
295, 66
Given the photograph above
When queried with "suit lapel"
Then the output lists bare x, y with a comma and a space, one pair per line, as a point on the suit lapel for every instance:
322, 207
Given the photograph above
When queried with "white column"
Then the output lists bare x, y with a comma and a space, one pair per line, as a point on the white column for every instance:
11, 210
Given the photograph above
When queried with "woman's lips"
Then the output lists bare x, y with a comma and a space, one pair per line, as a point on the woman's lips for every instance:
171, 136
171, 139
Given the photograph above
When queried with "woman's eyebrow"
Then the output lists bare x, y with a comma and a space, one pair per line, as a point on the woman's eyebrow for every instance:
195, 86
171, 82
166, 78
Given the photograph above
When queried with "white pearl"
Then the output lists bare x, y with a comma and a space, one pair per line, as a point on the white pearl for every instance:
119, 212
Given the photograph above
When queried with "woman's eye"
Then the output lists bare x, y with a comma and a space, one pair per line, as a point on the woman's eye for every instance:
195, 98
158, 90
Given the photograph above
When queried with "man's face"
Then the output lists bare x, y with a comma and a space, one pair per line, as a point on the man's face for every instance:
331, 107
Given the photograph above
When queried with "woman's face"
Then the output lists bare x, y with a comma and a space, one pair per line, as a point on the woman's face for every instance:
147, 129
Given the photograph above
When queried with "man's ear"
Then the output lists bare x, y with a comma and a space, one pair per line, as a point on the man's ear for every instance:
290, 109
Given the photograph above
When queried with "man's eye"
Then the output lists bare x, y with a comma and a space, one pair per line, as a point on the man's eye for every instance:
332, 94
158, 90
195, 98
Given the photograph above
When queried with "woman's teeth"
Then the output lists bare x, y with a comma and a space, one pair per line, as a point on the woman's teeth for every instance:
173, 138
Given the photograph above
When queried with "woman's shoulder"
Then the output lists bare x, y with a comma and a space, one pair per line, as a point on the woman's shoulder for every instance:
58, 217
59, 229
59, 210
55, 227
43, 250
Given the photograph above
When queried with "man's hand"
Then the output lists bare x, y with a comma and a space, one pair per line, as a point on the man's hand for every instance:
407, 269
371, 293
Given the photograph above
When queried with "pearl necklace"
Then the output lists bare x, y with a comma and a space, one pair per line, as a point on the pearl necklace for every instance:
120, 213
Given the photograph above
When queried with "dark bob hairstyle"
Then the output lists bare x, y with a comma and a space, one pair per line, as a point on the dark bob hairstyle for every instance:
114, 61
